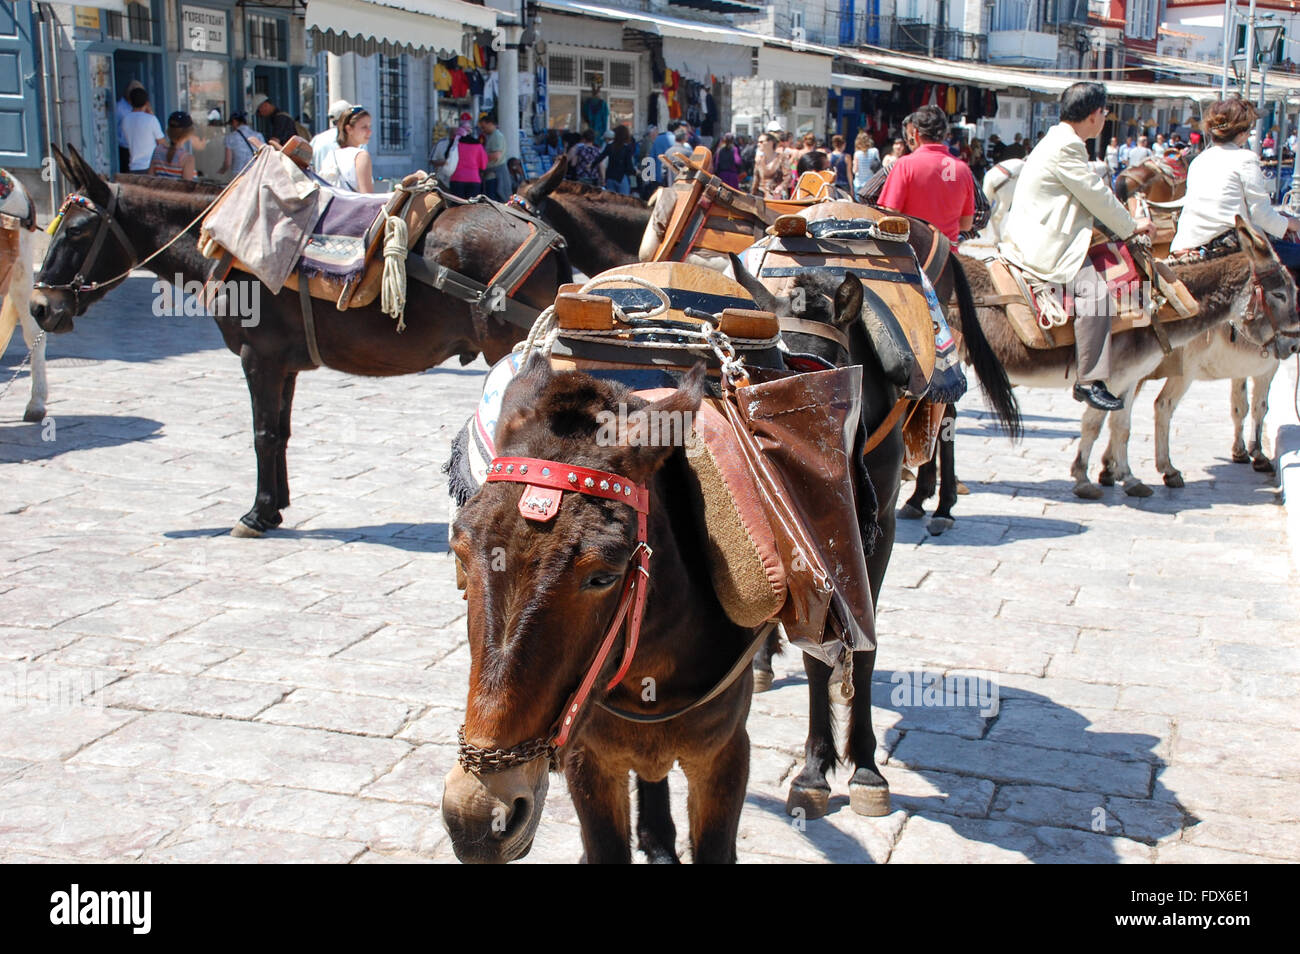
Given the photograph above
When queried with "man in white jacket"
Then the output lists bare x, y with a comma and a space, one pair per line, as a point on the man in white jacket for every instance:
1049, 229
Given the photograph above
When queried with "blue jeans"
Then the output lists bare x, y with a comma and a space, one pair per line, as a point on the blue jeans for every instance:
1288, 252
618, 185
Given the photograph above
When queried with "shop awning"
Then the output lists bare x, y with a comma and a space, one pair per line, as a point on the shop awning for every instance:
698, 59
1001, 78
656, 23
112, 6
1277, 79
393, 26
800, 69
848, 81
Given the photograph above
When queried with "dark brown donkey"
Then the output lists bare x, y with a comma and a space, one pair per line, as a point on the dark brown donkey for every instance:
537, 629
147, 212
602, 229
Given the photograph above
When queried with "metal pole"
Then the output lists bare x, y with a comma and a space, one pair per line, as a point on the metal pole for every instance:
1260, 123
1229, 14
1250, 51
1281, 147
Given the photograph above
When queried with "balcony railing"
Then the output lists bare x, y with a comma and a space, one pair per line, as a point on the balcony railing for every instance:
917, 36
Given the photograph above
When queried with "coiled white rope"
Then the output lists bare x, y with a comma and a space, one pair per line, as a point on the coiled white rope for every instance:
393, 297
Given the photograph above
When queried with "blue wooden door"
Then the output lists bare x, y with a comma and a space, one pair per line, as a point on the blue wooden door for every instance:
20, 129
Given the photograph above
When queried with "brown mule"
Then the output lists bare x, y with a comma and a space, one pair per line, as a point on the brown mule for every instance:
147, 211
536, 627
1151, 182
1225, 288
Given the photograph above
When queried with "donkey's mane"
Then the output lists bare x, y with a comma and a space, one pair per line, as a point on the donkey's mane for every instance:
203, 187
597, 194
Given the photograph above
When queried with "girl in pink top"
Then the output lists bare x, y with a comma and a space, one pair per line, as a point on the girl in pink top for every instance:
467, 180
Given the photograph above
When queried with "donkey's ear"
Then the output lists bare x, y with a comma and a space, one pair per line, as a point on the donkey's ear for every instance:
70, 173
535, 191
91, 181
762, 297
1254, 244
519, 403
848, 301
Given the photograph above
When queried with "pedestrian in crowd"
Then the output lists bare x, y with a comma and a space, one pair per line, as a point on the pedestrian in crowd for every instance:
586, 159
283, 128
748, 150
953, 142
681, 147
141, 131
996, 148
620, 173
516, 169
349, 166
1139, 153
840, 162
812, 161
241, 143
550, 149
663, 142
727, 162
174, 158
471, 160
496, 180
1160, 145
327, 140
769, 169
1269, 145
930, 183
978, 161
1125, 152
866, 161
897, 150
123, 109
1017, 149
442, 149
1112, 156
790, 153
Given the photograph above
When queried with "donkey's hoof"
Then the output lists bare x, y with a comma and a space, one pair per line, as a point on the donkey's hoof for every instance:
938, 525
910, 512
907, 474
1174, 480
962, 489
34, 415
807, 803
872, 800
1262, 465
242, 529
762, 680
1087, 491
1240, 457
1138, 489
1106, 478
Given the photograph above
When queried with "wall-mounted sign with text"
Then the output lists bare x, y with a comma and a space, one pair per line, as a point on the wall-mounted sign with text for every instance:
203, 30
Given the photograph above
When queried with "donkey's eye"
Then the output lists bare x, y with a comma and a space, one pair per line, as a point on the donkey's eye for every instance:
600, 581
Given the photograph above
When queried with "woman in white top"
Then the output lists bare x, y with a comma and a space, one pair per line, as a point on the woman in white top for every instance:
1226, 181
348, 166
866, 160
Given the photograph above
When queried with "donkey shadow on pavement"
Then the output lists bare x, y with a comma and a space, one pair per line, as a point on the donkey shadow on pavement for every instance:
1007, 768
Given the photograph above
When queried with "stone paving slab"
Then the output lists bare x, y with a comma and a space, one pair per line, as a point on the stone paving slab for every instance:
169, 693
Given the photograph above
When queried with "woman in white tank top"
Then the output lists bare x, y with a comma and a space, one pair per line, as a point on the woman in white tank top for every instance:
349, 167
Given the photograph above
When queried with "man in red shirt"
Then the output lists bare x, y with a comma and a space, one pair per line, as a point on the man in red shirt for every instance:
930, 183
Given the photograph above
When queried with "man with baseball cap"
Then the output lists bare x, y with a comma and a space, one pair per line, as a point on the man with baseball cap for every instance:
327, 140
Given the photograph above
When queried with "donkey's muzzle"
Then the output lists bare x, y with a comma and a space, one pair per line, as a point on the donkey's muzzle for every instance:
53, 315
492, 818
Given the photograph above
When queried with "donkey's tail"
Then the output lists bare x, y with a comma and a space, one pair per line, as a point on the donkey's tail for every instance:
992, 376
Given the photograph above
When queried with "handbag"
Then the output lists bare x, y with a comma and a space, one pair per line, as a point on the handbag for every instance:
448, 168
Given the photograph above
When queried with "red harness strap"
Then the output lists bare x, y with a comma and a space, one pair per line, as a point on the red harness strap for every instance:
546, 481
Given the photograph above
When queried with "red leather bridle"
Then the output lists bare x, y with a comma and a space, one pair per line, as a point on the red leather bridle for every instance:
546, 481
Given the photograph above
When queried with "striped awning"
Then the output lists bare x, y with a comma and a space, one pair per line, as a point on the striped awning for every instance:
392, 27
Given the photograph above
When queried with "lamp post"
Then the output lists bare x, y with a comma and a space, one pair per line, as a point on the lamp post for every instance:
1229, 11
1267, 30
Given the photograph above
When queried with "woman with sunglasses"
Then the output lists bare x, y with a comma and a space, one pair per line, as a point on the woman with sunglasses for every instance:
349, 166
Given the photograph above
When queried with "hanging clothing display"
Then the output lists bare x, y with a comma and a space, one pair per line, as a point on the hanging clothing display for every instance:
596, 113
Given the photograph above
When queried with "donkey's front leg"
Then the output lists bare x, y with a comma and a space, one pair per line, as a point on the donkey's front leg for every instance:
266, 382
810, 793
1259, 386
1089, 431
1121, 427
716, 783
868, 790
601, 801
282, 463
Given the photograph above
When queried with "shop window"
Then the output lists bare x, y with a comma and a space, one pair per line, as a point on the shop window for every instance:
394, 107
622, 112
137, 25
593, 71
621, 75
563, 111
563, 70
266, 37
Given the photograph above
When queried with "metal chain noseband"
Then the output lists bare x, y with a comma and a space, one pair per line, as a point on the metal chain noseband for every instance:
476, 758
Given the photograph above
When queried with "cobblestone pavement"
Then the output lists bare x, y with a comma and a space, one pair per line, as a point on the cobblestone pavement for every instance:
174, 694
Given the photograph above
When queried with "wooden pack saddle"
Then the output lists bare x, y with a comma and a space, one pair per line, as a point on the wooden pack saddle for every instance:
415, 201
1154, 298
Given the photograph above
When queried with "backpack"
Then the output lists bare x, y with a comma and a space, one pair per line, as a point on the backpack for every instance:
299, 128
448, 168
